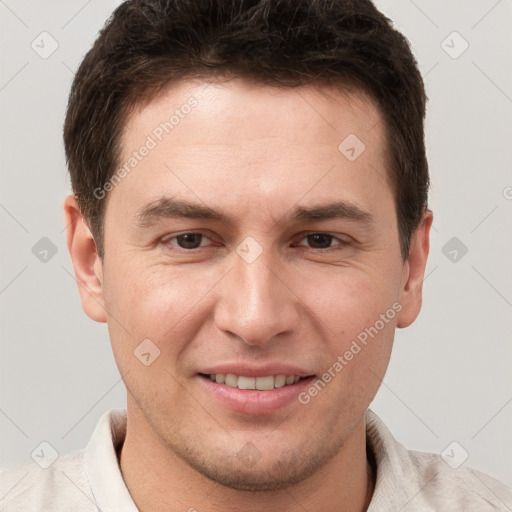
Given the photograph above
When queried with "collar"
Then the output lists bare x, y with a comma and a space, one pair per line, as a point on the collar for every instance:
102, 465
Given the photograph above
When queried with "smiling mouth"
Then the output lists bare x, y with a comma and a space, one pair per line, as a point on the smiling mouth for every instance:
266, 383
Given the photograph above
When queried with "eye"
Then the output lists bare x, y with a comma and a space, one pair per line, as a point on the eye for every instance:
322, 241
191, 240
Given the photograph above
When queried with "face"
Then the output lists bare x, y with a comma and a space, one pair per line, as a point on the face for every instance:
249, 251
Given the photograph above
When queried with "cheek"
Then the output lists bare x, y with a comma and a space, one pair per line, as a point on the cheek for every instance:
152, 321
359, 313
350, 301
159, 302
359, 340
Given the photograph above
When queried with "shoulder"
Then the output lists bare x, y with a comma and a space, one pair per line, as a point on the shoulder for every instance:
75, 481
63, 485
443, 487
409, 480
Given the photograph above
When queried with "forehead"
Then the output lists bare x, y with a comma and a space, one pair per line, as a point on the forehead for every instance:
261, 143
246, 109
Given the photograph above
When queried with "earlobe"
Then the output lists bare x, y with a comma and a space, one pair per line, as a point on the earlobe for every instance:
86, 262
414, 272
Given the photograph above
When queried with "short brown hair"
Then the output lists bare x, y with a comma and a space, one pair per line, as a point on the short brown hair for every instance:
146, 44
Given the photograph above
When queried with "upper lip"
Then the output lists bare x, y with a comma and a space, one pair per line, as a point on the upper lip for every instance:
256, 370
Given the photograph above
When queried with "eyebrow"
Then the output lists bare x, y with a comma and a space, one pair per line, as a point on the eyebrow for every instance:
168, 208
336, 210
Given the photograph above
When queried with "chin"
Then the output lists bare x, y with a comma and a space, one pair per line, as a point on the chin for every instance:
263, 480
250, 470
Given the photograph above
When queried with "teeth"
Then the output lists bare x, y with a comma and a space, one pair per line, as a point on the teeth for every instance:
246, 382
260, 383
265, 383
231, 380
280, 381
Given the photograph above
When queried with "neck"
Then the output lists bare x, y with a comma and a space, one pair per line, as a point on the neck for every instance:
158, 479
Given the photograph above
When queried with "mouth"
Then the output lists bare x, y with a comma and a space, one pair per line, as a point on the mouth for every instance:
255, 395
266, 383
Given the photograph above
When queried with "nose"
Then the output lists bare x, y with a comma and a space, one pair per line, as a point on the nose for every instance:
256, 304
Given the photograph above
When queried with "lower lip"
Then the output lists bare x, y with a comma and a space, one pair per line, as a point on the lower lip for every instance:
254, 402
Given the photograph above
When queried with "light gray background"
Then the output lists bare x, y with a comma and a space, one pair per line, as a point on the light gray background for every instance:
450, 374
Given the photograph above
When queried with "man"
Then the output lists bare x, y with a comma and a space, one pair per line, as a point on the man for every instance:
250, 219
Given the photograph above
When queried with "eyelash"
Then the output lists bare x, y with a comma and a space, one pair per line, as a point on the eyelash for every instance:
341, 243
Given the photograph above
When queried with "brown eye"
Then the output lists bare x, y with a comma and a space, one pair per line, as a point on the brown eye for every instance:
189, 240
320, 240
325, 241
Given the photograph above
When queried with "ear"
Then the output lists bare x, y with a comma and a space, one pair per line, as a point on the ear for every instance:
86, 262
413, 272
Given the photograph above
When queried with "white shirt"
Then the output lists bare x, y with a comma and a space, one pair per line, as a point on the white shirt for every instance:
90, 480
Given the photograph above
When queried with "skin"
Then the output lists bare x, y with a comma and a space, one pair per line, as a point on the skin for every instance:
256, 153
